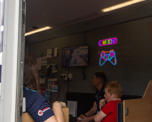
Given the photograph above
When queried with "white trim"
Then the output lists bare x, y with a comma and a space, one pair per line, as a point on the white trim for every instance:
0, 58
10, 61
0, 89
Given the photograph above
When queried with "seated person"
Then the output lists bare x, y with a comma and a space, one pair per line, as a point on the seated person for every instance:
40, 110
108, 113
99, 81
36, 105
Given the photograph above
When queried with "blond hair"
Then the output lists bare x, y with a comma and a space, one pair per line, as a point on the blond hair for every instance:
114, 87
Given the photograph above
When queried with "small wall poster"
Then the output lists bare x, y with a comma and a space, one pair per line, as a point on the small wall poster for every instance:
49, 53
53, 52
53, 84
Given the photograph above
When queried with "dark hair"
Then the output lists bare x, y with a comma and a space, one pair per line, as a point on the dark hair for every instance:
29, 63
29, 74
102, 76
29, 78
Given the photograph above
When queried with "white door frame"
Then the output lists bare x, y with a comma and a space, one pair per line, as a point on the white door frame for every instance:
12, 63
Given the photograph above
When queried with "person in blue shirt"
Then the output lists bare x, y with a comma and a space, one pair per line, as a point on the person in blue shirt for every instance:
36, 105
99, 81
40, 110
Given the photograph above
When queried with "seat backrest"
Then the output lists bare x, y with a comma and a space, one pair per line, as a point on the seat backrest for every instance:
137, 110
148, 91
26, 118
120, 112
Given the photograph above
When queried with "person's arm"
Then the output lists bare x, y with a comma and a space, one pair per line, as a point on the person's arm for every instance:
92, 110
87, 119
102, 102
99, 117
88, 116
58, 113
51, 119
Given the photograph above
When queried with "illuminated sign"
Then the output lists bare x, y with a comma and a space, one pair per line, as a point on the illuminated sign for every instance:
108, 56
107, 42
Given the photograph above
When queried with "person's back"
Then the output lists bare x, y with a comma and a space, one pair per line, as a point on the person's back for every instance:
110, 109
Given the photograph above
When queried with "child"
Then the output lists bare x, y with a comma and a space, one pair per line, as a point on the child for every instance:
108, 113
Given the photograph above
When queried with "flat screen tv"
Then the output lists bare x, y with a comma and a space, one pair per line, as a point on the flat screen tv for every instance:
75, 56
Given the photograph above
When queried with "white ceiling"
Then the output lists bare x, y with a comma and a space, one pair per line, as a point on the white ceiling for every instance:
60, 12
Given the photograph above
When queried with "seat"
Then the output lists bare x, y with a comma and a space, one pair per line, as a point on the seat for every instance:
137, 110
26, 118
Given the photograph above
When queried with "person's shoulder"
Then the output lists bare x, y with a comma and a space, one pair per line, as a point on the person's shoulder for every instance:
28, 90
111, 103
107, 108
115, 101
29, 93
107, 105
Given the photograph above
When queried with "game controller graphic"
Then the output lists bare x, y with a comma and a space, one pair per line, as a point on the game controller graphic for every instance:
108, 56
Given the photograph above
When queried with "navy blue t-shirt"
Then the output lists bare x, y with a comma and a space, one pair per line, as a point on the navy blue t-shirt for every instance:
98, 97
37, 106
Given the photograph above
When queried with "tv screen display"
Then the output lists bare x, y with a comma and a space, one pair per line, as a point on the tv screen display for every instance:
75, 56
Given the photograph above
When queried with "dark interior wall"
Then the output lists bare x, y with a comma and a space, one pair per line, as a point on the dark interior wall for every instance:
133, 52
80, 85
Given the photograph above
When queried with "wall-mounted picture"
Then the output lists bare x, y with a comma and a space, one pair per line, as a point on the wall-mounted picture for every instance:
75, 56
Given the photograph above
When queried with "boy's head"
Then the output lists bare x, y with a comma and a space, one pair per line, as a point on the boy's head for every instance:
99, 79
113, 90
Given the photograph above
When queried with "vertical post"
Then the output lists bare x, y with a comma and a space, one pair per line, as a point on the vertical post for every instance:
11, 62
124, 111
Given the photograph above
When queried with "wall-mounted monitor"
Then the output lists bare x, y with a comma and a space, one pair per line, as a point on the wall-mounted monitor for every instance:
75, 56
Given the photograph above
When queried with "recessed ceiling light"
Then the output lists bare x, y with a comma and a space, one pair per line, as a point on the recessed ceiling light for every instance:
38, 30
121, 5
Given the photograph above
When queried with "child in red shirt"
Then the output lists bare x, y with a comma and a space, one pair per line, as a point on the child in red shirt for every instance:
108, 113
